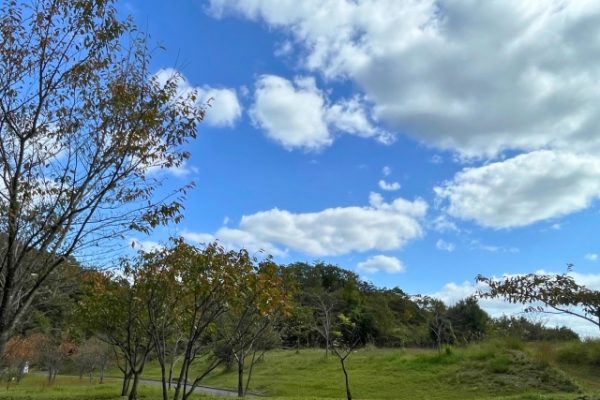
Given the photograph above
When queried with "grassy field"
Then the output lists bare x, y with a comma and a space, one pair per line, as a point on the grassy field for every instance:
493, 370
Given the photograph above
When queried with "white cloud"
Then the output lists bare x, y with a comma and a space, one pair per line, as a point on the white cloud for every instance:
222, 106
389, 186
442, 224
180, 171
298, 114
291, 115
235, 239
474, 77
591, 256
332, 231
144, 245
386, 171
444, 246
522, 190
381, 263
478, 245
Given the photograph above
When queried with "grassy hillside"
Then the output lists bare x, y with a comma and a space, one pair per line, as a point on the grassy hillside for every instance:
493, 370
482, 371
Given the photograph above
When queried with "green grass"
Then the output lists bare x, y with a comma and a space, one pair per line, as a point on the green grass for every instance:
36, 387
493, 370
490, 370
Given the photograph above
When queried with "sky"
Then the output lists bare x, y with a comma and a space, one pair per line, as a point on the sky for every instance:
417, 143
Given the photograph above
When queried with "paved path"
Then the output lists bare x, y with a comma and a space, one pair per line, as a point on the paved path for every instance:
199, 389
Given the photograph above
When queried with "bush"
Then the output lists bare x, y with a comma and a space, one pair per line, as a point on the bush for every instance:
587, 352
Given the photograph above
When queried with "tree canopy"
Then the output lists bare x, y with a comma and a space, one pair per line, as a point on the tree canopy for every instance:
83, 127
556, 293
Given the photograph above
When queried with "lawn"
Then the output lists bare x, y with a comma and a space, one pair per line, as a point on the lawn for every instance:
492, 370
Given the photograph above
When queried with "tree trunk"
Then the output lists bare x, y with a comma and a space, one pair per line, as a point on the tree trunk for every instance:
185, 364
126, 382
163, 379
348, 394
241, 376
171, 366
134, 386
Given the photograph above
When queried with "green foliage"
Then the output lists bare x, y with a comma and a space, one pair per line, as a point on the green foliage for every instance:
580, 353
469, 322
528, 330
83, 125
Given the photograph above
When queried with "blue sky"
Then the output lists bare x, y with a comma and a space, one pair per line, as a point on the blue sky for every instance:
419, 143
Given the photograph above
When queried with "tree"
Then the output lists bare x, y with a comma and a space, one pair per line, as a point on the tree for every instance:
83, 125
346, 339
324, 317
557, 294
113, 308
92, 355
185, 290
261, 298
440, 326
20, 351
469, 321
52, 352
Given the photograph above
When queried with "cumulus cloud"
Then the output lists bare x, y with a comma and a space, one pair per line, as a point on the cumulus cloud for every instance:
297, 114
386, 170
222, 106
329, 232
591, 257
444, 246
522, 190
389, 186
381, 263
477, 78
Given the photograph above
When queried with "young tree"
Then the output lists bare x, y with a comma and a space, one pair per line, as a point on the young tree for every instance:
557, 294
436, 316
52, 352
324, 317
82, 126
261, 298
346, 339
113, 308
186, 289
92, 355
20, 351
